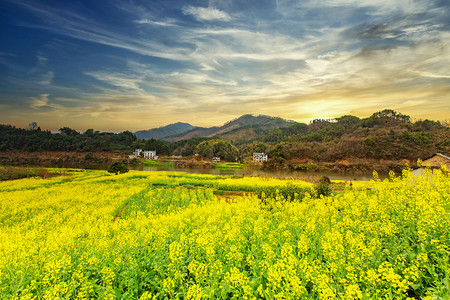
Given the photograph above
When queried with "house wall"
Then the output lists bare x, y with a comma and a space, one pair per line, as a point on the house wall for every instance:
259, 157
436, 161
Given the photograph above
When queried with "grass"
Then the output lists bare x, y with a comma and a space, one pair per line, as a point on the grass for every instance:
228, 166
171, 164
157, 163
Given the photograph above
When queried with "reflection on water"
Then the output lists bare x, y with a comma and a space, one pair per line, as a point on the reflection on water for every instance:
300, 175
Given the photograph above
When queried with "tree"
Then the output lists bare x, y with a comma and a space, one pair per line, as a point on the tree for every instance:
323, 187
220, 148
117, 168
89, 132
279, 151
68, 131
255, 147
32, 126
157, 145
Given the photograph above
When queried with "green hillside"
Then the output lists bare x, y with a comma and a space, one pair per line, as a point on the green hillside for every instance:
238, 130
163, 132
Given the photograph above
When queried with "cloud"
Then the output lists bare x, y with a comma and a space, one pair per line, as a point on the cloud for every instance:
377, 7
39, 102
337, 81
69, 23
129, 82
42, 61
46, 78
432, 75
206, 13
304, 59
157, 23
220, 45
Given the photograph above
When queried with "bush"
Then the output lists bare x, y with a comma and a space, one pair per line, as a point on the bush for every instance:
133, 162
117, 168
323, 187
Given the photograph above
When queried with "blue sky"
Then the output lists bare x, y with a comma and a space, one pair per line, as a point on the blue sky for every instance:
131, 65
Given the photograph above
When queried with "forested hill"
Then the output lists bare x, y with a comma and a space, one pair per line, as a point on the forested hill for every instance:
239, 130
386, 135
163, 132
12, 138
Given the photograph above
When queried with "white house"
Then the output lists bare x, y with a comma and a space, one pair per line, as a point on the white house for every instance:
216, 159
259, 157
136, 153
150, 154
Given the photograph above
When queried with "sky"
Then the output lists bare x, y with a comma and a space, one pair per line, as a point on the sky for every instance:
133, 65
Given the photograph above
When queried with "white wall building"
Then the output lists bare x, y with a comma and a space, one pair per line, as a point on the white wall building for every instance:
136, 153
259, 157
149, 154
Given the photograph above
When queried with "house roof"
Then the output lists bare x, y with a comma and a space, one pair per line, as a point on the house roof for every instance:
440, 154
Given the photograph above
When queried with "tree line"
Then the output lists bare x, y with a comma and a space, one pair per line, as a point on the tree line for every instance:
67, 139
384, 135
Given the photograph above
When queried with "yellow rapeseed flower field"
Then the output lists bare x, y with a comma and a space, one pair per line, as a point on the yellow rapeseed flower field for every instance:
167, 235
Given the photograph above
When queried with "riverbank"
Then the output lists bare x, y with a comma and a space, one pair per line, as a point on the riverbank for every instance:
310, 172
357, 166
185, 163
61, 159
101, 160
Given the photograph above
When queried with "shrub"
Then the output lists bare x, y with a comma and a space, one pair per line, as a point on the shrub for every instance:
323, 187
117, 168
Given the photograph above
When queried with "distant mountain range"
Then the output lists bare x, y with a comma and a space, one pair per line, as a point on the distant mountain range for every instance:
163, 132
243, 128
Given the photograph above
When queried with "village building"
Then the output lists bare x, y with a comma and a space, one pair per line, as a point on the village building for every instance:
259, 157
216, 159
149, 154
136, 153
146, 154
434, 162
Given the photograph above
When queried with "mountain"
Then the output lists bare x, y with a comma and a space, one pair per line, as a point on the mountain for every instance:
244, 128
386, 135
163, 132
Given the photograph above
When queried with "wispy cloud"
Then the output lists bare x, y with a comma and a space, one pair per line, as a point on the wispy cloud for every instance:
74, 25
206, 13
41, 73
42, 61
433, 75
129, 82
377, 7
39, 102
46, 78
157, 23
